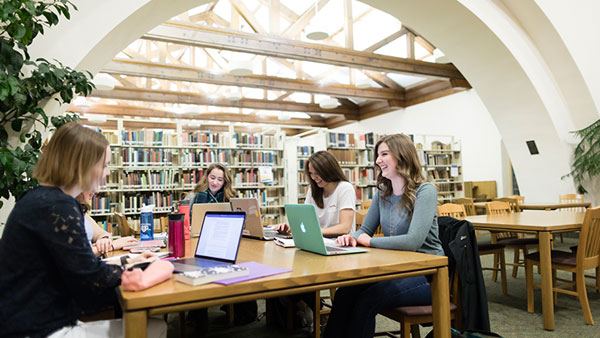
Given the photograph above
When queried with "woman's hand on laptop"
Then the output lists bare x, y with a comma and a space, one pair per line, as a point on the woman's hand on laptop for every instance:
283, 228
122, 242
345, 240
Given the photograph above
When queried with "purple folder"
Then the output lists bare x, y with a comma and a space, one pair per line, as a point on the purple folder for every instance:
257, 270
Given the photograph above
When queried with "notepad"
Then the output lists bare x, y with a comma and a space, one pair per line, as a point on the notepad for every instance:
257, 270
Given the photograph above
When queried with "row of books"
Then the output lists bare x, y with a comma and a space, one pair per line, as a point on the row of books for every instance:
301, 164
438, 173
345, 156
365, 194
341, 140
305, 150
246, 177
105, 225
162, 179
434, 159
159, 199
191, 178
256, 157
100, 204
146, 157
147, 137
255, 140
367, 176
111, 137
444, 187
351, 174
204, 157
204, 138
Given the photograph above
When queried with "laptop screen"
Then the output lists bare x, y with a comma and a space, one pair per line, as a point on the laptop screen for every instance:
220, 235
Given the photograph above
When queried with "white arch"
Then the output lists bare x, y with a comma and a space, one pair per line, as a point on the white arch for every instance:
513, 77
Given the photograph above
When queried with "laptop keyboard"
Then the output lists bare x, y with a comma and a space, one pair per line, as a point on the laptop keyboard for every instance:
334, 249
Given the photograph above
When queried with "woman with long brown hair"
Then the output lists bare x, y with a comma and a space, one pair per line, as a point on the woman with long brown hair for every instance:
332, 195
216, 186
405, 206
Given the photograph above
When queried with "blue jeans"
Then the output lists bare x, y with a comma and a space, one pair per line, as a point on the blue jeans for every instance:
355, 307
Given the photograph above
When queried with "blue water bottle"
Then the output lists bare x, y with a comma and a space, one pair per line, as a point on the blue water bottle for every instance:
147, 223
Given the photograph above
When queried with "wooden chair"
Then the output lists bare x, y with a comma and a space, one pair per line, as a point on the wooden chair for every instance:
513, 202
410, 317
468, 203
519, 198
587, 257
364, 205
571, 198
458, 211
322, 313
510, 239
123, 225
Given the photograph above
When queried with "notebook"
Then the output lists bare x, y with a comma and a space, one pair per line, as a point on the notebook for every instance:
307, 234
218, 242
254, 225
198, 211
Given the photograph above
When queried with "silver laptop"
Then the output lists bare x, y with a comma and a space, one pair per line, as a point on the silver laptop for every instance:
254, 225
218, 242
307, 233
198, 211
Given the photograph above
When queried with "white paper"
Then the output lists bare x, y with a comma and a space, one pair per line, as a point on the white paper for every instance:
454, 170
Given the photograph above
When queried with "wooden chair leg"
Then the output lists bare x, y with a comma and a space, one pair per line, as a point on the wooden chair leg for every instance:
583, 298
598, 279
182, 330
495, 266
554, 294
516, 262
414, 329
230, 315
529, 284
405, 329
503, 272
317, 314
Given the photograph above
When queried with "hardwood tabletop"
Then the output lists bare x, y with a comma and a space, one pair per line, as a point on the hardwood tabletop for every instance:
308, 269
531, 221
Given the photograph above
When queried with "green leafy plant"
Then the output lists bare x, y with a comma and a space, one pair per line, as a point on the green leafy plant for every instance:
586, 157
26, 85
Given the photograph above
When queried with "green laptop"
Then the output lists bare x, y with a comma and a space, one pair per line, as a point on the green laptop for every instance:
307, 234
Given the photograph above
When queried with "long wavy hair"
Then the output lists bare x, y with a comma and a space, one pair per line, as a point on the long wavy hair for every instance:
328, 168
409, 167
227, 188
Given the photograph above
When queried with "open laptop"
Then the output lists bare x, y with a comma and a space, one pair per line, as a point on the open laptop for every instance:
218, 242
254, 225
306, 230
198, 211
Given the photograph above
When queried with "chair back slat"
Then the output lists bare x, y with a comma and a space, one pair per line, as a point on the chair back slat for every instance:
468, 203
453, 210
571, 198
590, 233
498, 208
513, 202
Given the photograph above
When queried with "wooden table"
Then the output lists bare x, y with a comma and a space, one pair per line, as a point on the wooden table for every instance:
544, 224
310, 272
549, 207
542, 206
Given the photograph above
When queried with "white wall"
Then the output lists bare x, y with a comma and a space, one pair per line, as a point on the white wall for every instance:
461, 115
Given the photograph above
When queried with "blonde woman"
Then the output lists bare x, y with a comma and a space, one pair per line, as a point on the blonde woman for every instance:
406, 207
215, 186
48, 272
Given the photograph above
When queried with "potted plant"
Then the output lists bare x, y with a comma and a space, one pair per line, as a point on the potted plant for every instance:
586, 157
26, 86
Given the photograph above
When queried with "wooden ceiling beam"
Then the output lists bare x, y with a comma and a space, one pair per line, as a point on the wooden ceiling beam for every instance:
141, 68
372, 48
133, 111
285, 12
297, 26
211, 37
149, 95
248, 16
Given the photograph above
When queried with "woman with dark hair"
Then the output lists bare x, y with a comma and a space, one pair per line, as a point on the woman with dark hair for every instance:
406, 208
334, 199
332, 195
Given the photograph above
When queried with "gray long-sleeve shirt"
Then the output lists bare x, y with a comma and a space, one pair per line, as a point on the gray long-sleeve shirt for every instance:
401, 232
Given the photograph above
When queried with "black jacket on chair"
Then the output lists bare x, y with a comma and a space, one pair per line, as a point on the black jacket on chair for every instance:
460, 245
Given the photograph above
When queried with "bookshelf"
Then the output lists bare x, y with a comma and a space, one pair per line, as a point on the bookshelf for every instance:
160, 166
303, 153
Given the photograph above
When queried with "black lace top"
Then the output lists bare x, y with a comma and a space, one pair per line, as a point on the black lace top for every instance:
48, 273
